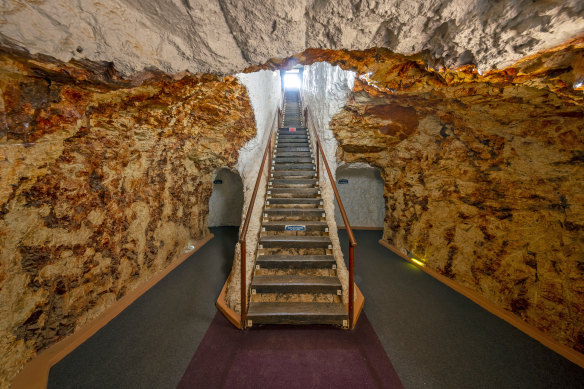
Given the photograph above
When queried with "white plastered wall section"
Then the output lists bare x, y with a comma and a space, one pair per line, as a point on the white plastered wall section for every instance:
265, 94
325, 90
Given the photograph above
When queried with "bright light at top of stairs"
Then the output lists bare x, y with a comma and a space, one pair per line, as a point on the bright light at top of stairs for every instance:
291, 81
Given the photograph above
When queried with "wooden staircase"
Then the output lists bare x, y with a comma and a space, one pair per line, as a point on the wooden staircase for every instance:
295, 279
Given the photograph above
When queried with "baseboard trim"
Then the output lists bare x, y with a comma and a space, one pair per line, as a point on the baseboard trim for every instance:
565, 351
35, 374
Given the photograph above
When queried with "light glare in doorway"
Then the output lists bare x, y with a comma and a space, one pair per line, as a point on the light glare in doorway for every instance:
291, 81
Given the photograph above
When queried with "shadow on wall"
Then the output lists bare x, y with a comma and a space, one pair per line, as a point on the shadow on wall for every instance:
226, 202
361, 190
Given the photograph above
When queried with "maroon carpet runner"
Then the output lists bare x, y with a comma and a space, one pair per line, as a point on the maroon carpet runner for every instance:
290, 357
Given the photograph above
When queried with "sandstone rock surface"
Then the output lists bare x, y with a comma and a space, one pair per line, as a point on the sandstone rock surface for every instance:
103, 184
223, 36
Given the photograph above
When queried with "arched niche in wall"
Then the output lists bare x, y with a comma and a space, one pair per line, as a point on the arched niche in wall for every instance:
226, 202
361, 189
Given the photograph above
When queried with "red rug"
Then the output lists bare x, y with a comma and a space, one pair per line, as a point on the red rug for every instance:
290, 357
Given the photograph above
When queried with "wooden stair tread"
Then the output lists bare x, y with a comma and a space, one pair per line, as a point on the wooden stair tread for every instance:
296, 284
294, 180
294, 140
293, 192
295, 222
288, 146
300, 165
293, 280
293, 210
285, 153
303, 160
293, 173
293, 200
305, 146
285, 173
280, 225
307, 309
295, 261
288, 238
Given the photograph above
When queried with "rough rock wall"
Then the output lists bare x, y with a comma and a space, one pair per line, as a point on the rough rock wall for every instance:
484, 175
103, 184
229, 35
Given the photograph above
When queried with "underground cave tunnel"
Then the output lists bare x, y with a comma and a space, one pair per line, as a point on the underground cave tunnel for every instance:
226, 202
164, 164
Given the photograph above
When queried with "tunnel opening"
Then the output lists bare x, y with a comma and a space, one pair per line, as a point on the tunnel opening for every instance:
361, 189
226, 202
292, 80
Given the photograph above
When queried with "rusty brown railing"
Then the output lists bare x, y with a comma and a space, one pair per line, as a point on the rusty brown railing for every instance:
243, 234
352, 241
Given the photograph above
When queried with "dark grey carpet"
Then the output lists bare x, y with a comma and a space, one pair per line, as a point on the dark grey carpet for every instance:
434, 337
437, 338
150, 344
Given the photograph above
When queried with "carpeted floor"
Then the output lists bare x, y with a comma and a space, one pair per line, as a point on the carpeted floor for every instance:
150, 344
433, 336
437, 338
290, 357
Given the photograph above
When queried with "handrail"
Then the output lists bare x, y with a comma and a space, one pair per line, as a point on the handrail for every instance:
243, 234
352, 241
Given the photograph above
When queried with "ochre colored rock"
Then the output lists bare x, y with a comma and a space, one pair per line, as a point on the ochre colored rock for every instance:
104, 184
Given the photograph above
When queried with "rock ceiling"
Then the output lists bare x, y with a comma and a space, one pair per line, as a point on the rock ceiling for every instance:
226, 36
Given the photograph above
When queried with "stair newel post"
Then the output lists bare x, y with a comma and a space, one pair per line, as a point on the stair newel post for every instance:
351, 283
243, 282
